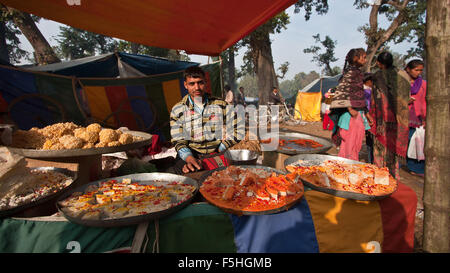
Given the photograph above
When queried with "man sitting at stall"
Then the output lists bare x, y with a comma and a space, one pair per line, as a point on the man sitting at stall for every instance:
275, 97
195, 146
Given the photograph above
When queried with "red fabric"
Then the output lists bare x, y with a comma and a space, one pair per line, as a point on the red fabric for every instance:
162, 23
156, 146
212, 163
398, 213
328, 123
118, 101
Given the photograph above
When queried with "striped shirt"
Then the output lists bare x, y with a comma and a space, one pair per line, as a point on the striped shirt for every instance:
204, 129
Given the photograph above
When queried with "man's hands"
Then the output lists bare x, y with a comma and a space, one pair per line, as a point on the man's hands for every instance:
192, 164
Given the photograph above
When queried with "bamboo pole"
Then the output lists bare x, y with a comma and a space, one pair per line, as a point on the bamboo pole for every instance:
436, 201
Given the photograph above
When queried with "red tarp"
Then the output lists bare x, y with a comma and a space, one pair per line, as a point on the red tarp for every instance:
205, 27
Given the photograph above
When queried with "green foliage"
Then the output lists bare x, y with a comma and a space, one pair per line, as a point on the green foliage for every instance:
412, 28
326, 58
300, 80
12, 33
320, 6
75, 43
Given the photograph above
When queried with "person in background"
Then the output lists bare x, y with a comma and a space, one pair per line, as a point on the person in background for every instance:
229, 96
240, 97
327, 123
368, 84
417, 109
350, 108
275, 96
389, 107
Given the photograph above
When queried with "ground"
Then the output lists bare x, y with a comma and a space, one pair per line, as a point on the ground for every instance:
413, 181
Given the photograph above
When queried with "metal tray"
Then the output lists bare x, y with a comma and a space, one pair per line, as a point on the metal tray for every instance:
240, 212
141, 178
293, 149
314, 160
53, 196
33, 153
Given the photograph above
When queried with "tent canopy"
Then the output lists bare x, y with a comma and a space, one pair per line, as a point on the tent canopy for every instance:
322, 84
113, 65
199, 27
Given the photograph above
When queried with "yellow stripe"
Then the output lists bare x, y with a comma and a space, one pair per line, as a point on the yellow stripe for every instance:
99, 104
345, 225
172, 92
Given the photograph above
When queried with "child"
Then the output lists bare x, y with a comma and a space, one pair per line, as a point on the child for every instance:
327, 123
368, 84
350, 102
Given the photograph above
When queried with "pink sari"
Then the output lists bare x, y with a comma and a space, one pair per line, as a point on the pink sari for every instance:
352, 138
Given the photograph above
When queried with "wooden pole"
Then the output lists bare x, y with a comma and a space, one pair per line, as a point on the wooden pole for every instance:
436, 201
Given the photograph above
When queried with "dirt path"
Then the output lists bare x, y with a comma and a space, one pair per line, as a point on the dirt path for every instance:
413, 181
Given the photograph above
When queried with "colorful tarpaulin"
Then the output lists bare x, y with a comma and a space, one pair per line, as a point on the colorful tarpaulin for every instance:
37, 99
318, 223
201, 27
307, 106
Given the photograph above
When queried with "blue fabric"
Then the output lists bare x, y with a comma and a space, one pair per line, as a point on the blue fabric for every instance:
290, 231
414, 165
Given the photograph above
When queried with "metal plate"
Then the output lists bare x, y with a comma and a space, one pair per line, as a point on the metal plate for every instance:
141, 178
241, 212
69, 173
315, 159
32, 153
293, 149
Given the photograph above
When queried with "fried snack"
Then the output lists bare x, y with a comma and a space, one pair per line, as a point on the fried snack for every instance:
58, 130
114, 143
108, 135
71, 142
28, 139
68, 135
125, 138
94, 127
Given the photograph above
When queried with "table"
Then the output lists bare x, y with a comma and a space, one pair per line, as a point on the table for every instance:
318, 223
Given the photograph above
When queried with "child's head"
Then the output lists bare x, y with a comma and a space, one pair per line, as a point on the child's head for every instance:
385, 60
368, 79
355, 57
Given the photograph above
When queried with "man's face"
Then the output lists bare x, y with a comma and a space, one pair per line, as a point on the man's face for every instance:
195, 86
275, 90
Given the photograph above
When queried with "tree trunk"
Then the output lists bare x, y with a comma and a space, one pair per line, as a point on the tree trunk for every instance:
375, 37
436, 201
231, 69
3, 50
263, 63
44, 53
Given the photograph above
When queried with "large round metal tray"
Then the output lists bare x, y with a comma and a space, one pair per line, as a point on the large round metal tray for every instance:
32, 153
314, 160
241, 212
141, 178
293, 149
54, 196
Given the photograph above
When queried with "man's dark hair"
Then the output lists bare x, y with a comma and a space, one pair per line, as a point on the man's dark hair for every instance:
227, 88
193, 72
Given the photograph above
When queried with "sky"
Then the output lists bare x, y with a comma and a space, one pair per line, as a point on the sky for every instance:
340, 23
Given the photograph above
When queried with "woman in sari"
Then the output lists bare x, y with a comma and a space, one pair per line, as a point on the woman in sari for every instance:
389, 109
417, 110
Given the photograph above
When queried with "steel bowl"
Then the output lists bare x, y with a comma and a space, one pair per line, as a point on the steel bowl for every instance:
241, 157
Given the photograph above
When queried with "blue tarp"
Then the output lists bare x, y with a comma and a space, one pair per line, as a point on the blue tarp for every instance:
106, 66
